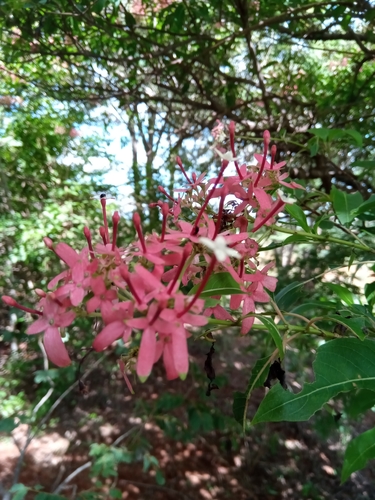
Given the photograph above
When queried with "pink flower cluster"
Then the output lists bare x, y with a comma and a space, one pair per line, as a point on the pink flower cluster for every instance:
139, 288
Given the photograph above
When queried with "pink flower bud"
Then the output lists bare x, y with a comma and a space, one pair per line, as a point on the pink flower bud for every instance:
266, 138
9, 301
48, 242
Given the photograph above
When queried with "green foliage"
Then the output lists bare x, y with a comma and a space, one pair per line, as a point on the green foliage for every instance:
341, 365
107, 458
19, 491
359, 451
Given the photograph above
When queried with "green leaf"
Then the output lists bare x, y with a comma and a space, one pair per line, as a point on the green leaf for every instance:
218, 284
314, 146
45, 375
355, 325
367, 206
257, 379
344, 204
359, 451
342, 292
269, 323
49, 496
294, 238
115, 493
8, 424
359, 402
356, 136
341, 365
364, 163
19, 491
130, 20
322, 133
297, 213
286, 297
160, 479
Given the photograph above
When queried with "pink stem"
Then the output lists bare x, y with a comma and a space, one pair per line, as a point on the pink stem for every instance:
87, 233
200, 288
125, 274
102, 234
11, 302
232, 127
163, 191
209, 196
179, 163
266, 141
185, 255
224, 193
165, 212
275, 210
115, 221
138, 228
273, 155
103, 202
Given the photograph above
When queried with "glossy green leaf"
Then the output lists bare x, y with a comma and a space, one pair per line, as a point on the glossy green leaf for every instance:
297, 213
344, 204
341, 365
288, 296
272, 329
359, 451
342, 292
219, 284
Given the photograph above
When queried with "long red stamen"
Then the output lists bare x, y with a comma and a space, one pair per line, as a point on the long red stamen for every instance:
209, 196
13, 303
266, 141
185, 255
224, 193
138, 228
103, 202
165, 213
115, 221
103, 235
273, 155
179, 163
275, 210
232, 127
163, 191
200, 288
87, 233
125, 274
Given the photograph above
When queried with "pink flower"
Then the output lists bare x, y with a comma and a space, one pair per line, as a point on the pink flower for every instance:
54, 317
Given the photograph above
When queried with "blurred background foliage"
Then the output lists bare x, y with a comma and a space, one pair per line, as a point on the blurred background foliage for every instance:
163, 73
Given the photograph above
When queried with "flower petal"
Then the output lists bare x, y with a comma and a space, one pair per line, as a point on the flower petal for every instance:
109, 334
55, 348
38, 326
146, 355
